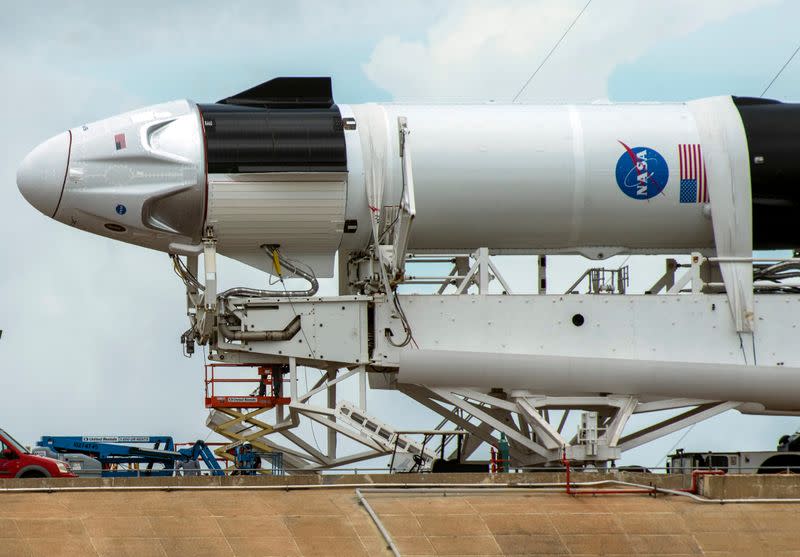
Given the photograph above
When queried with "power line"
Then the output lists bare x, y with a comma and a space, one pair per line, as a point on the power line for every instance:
552, 50
780, 71
678, 442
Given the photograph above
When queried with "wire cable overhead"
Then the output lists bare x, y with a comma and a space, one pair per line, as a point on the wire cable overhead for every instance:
552, 50
780, 71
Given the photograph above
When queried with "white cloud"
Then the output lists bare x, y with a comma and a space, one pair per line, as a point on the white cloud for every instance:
483, 50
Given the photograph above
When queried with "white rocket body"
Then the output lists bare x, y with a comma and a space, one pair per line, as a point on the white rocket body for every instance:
597, 179
534, 179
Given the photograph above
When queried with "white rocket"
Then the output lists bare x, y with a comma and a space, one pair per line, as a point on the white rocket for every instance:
281, 164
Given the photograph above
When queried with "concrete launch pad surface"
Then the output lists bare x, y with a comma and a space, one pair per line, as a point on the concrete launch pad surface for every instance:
186, 523
558, 524
253, 521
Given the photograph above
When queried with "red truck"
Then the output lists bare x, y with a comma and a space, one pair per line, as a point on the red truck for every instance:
17, 462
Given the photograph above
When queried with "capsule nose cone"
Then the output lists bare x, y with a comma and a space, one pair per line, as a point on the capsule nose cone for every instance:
42, 174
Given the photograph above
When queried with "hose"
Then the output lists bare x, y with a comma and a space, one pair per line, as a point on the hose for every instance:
274, 254
777, 271
183, 272
406, 488
286, 334
378, 522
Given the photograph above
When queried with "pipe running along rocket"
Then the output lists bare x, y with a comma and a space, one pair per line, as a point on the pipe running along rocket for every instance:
282, 164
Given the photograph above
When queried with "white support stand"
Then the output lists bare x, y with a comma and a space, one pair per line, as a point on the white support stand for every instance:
331, 375
481, 273
693, 277
210, 270
293, 378
362, 388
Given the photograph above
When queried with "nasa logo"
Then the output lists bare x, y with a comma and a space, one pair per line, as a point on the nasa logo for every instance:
642, 172
121, 210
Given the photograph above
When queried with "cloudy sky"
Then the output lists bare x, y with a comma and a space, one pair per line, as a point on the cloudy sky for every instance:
91, 326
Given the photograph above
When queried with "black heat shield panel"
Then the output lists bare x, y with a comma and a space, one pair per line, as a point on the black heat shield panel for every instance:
251, 139
773, 141
286, 92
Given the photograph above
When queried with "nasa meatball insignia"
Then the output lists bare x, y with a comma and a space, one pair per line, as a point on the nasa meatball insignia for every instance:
642, 173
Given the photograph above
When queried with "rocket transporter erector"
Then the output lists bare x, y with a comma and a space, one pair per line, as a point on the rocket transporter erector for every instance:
281, 164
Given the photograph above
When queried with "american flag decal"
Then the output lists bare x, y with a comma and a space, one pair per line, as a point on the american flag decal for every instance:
694, 183
119, 141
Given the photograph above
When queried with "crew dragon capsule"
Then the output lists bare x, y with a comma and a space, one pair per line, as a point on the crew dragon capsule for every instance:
282, 164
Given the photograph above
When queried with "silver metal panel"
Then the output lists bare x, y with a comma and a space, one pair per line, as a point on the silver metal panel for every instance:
332, 329
301, 213
681, 328
297, 212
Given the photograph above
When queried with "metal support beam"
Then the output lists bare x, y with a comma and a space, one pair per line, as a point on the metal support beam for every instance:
546, 434
325, 382
331, 375
667, 404
293, 378
483, 270
620, 420
362, 387
313, 452
210, 270
482, 432
511, 433
676, 423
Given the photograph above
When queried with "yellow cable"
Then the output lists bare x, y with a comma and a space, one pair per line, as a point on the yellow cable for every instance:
276, 262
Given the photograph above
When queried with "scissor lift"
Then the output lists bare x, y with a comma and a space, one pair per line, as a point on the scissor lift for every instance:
267, 394
235, 417
242, 419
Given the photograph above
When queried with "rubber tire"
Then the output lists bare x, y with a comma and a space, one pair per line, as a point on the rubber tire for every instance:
34, 474
789, 461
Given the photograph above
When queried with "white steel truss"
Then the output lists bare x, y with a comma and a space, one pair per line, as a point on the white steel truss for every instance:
532, 422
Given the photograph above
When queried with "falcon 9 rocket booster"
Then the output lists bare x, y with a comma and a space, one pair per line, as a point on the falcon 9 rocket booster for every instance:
281, 164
